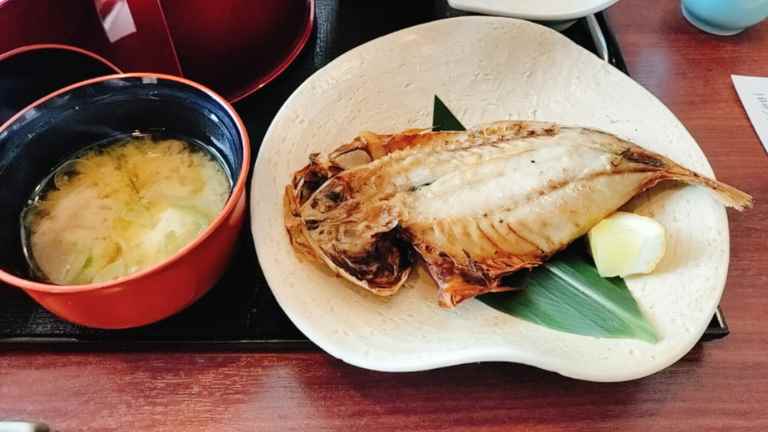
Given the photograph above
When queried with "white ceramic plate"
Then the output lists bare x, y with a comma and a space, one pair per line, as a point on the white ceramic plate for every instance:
538, 10
485, 69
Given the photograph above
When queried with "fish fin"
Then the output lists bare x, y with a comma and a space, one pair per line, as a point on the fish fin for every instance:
461, 278
726, 194
367, 142
377, 146
517, 129
456, 289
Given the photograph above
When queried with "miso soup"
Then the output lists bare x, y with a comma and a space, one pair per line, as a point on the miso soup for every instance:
119, 208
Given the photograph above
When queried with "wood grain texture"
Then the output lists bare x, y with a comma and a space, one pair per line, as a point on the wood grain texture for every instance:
719, 386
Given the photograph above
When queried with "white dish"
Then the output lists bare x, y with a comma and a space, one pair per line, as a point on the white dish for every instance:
537, 10
485, 69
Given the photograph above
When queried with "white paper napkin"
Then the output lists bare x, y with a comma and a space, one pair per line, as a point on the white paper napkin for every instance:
753, 92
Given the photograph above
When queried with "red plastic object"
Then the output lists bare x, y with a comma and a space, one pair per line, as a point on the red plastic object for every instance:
233, 46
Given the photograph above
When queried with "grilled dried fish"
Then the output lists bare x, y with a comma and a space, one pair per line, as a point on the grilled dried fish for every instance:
475, 206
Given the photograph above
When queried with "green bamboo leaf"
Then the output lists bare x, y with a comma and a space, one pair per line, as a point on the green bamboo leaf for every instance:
566, 293
443, 119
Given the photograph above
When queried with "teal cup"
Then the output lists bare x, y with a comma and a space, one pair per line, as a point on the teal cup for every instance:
724, 17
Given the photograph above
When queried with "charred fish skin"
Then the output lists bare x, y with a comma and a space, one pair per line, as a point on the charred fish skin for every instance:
475, 206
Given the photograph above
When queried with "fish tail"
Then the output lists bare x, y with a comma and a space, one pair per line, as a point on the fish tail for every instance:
726, 194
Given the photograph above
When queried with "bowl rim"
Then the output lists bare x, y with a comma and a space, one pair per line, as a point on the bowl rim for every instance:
482, 8
234, 197
24, 49
299, 43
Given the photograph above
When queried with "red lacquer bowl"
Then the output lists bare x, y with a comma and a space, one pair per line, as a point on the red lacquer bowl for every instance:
47, 132
30, 72
232, 46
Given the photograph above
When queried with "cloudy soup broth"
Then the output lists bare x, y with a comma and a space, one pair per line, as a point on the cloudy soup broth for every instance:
120, 207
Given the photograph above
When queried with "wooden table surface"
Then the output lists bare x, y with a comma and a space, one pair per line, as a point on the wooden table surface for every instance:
718, 386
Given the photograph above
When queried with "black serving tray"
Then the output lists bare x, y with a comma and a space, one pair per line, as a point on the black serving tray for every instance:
240, 311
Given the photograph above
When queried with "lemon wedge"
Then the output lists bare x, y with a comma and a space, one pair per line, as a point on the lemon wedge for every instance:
626, 243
